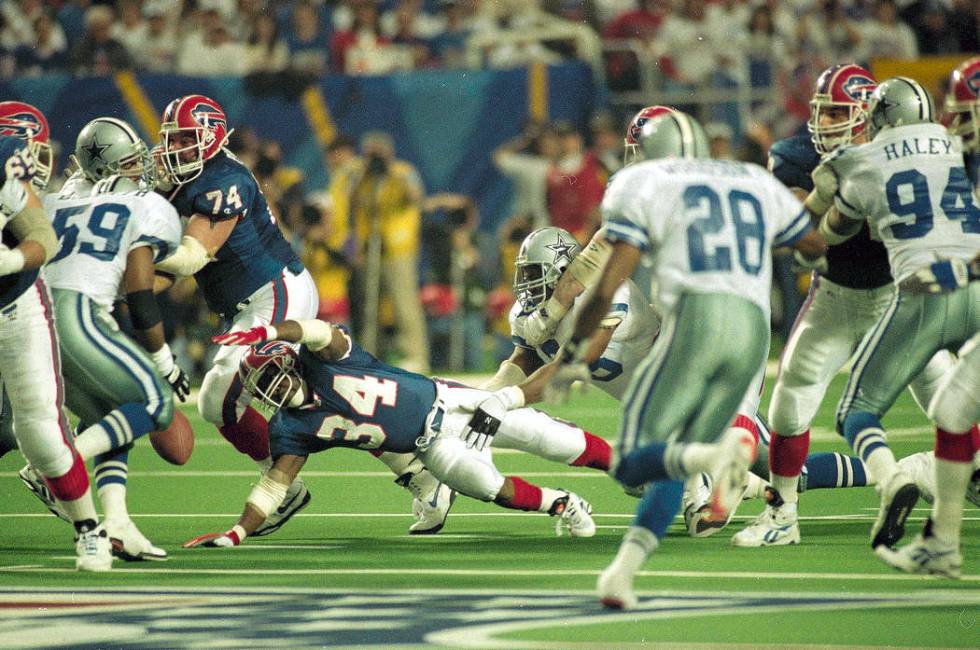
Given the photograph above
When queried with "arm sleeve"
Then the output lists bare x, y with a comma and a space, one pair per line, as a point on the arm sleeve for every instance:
622, 211
792, 219
856, 186
160, 229
32, 224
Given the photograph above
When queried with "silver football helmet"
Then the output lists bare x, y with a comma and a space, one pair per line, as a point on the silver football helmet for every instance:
899, 101
674, 135
543, 257
108, 147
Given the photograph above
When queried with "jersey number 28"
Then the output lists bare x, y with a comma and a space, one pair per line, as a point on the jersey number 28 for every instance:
745, 213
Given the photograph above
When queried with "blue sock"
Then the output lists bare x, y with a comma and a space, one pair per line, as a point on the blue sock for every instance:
656, 461
864, 433
112, 467
660, 504
833, 470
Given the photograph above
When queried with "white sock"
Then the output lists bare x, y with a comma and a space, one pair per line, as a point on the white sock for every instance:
755, 487
265, 464
93, 441
113, 498
81, 508
952, 480
697, 457
548, 498
881, 462
787, 487
637, 545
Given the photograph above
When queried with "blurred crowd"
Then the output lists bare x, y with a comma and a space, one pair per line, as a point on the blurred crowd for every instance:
692, 40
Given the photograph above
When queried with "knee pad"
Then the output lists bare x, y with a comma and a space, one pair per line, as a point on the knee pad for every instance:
465, 470
788, 413
540, 434
954, 408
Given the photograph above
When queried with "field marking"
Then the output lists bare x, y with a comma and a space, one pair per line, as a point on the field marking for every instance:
512, 573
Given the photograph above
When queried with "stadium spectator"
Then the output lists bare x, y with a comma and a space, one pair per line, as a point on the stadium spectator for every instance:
887, 36
933, 23
527, 160
408, 18
264, 50
720, 140
830, 34
365, 36
308, 41
575, 185
766, 48
641, 23
211, 53
158, 51
686, 42
98, 53
49, 51
130, 29
450, 45
19, 17
607, 141
966, 25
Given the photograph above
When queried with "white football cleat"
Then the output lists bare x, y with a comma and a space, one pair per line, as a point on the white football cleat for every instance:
925, 554
129, 544
93, 550
297, 498
695, 503
574, 513
778, 525
898, 496
615, 588
736, 452
39, 488
432, 502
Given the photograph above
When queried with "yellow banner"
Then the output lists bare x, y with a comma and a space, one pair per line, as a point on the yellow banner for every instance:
139, 104
931, 71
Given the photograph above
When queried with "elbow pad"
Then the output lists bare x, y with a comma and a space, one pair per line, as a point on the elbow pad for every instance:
189, 258
32, 224
587, 265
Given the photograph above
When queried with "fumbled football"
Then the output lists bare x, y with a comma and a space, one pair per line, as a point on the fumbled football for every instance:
176, 443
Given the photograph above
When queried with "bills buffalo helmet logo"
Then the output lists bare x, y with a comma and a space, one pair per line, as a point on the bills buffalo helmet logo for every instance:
636, 127
207, 116
859, 88
20, 125
272, 349
973, 82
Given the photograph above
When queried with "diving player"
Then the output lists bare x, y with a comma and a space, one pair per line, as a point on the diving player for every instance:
707, 226
249, 276
910, 182
29, 359
845, 300
112, 228
334, 394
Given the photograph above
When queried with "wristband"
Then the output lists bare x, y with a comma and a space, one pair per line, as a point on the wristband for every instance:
237, 534
11, 261
317, 334
511, 396
163, 359
271, 333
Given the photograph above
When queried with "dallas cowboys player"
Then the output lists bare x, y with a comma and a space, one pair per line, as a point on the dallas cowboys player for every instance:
845, 300
29, 359
707, 226
112, 228
334, 394
250, 276
910, 183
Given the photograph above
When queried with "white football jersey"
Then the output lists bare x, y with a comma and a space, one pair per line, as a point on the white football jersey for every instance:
96, 233
910, 183
636, 325
706, 225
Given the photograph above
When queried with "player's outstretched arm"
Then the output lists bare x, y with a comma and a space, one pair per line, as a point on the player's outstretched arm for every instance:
328, 340
514, 370
552, 381
202, 239
265, 497
31, 226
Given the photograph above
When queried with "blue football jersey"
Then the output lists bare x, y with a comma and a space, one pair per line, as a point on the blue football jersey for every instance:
858, 263
361, 402
16, 165
972, 163
256, 251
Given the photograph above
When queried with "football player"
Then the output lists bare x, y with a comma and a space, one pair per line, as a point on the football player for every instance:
250, 276
963, 113
29, 359
707, 226
334, 394
910, 182
845, 300
112, 228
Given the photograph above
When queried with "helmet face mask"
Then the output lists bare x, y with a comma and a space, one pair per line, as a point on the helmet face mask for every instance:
270, 373
963, 104
543, 257
838, 108
193, 130
26, 122
108, 147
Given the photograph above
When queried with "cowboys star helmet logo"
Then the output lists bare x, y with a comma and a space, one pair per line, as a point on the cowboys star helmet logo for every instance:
207, 117
20, 125
562, 248
95, 150
859, 88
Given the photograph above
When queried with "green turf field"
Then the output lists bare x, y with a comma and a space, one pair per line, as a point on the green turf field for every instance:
346, 573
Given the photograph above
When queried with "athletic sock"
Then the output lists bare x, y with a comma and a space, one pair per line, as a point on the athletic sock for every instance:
250, 435
954, 466
117, 429
637, 545
82, 509
111, 474
71, 485
864, 433
658, 461
660, 504
834, 470
787, 454
527, 496
597, 454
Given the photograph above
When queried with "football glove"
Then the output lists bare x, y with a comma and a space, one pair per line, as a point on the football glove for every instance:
488, 415
560, 386
801, 262
825, 186
939, 277
166, 363
226, 539
540, 325
259, 334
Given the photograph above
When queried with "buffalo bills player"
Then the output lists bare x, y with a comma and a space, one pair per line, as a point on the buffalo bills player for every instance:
29, 359
250, 276
334, 394
844, 302
963, 113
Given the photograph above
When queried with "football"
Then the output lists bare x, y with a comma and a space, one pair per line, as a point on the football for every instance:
176, 443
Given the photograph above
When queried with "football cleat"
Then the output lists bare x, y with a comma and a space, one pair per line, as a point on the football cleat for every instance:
899, 494
297, 498
925, 554
615, 588
129, 544
432, 502
973, 489
778, 525
736, 453
93, 550
39, 488
574, 513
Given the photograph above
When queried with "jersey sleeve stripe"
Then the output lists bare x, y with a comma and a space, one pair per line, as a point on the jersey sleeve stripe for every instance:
619, 307
161, 249
846, 208
520, 342
627, 232
795, 231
